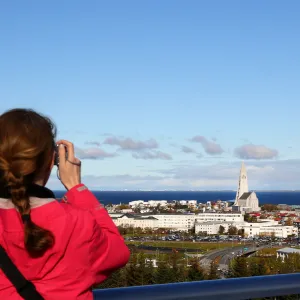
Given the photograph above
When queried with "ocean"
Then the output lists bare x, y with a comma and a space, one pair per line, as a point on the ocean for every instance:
116, 197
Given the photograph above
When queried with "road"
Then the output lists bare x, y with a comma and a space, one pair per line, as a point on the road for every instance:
226, 255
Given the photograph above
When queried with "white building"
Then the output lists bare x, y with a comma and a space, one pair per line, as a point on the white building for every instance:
265, 228
128, 220
187, 221
205, 222
126, 211
175, 221
268, 228
182, 222
212, 227
192, 203
278, 231
220, 217
150, 203
245, 200
155, 203
136, 203
182, 202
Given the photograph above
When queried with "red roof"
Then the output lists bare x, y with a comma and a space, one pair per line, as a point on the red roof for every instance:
256, 214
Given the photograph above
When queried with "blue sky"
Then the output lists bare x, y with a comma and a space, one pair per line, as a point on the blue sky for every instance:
161, 94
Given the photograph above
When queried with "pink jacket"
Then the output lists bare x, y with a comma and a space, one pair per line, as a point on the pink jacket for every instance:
88, 246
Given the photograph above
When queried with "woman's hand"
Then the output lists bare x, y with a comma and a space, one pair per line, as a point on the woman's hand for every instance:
69, 166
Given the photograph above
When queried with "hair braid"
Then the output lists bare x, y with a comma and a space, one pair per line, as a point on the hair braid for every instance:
16, 187
37, 240
20, 164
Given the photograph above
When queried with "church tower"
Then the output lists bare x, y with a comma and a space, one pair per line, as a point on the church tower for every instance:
243, 184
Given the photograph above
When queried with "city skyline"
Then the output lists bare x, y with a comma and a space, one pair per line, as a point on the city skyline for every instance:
161, 95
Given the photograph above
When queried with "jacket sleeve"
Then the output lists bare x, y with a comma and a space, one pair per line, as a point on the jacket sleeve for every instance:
107, 248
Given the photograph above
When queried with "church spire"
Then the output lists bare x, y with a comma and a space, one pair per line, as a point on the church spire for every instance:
243, 184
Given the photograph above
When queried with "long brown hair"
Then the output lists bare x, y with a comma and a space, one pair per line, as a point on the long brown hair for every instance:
26, 152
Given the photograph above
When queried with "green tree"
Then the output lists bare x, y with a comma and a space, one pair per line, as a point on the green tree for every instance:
195, 272
163, 273
132, 272
221, 229
269, 207
273, 236
247, 217
290, 264
232, 230
177, 267
150, 271
138, 231
241, 232
144, 269
213, 271
122, 230
192, 230
258, 267
239, 268
123, 206
116, 279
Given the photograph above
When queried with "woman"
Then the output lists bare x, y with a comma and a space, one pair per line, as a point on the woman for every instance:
62, 248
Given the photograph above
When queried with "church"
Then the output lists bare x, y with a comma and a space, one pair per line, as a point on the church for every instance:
245, 201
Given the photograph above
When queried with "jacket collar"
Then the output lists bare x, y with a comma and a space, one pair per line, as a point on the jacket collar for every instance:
40, 196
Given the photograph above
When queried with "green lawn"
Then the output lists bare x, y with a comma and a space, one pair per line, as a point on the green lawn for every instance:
184, 245
268, 251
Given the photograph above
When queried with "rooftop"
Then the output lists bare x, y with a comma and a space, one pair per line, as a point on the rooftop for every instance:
288, 250
216, 222
245, 196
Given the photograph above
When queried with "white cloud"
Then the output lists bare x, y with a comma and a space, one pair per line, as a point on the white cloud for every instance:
210, 147
93, 143
130, 144
93, 153
251, 151
152, 155
186, 149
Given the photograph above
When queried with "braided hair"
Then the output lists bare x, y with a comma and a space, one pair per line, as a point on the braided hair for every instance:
26, 152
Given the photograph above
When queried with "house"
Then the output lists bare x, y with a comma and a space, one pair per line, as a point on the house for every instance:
285, 252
